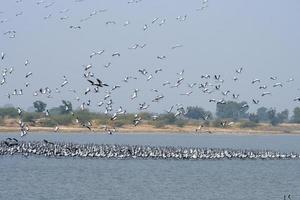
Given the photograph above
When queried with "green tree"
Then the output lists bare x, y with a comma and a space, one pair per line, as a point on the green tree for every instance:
283, 116
195, 112
262, 114
232, 110
39, 106
66, 108
296, 115
9, 112
253, 118
274, 120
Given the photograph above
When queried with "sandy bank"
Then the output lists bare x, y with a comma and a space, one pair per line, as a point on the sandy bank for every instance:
262, 129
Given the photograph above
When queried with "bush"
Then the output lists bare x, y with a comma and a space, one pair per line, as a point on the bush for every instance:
157, 124
180, 123
8, 112
119, 123
48, 123
168, 118
30, 117
1, 121
217, 123
248, 124
62, 119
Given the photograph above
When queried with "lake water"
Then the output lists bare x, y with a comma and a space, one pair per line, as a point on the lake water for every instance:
72, 179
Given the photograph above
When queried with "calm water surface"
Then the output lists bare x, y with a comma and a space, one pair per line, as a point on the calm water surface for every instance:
44, 178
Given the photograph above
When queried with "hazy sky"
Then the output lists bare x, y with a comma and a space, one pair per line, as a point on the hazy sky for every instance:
263, 37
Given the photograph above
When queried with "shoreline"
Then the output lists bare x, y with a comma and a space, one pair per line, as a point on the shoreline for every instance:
148, 129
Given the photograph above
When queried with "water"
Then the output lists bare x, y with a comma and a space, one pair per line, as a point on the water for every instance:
42, 178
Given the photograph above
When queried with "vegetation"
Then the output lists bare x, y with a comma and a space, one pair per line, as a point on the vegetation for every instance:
248, 124
232, 110
39, 106
228, 112
296, 116
198, 113
8, 112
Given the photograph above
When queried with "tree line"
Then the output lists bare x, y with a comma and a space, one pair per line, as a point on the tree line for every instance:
230, 111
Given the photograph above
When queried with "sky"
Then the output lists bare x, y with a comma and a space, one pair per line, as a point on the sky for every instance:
217, 37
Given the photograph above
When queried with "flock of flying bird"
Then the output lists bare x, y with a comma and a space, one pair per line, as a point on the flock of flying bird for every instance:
210, 83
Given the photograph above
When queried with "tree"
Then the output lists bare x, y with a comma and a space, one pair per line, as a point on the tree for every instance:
262, 114
232, 110
283, 116
197, 113
66, 108
273, 117
8, 111
39, 106
254, 118
296, 116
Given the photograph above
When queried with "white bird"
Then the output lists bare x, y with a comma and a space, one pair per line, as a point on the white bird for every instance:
192, 85
107, 65
154, 20
176, 46
65, 82
115, 87
56, 129
2, 55
206, 76
96, 53
162, 22
181, 73
135, 46
157, 70
235, 96
278, 84
245, 105
145, 27
157, 98
166, 83
110, 22
161, 57
263, 87
255, 80
75, 27
187, 93
265, 93
297, 99
126, 23
87, 91
134, 94
26, 62
239, 70
149, 77
116, 54
199, 128
87, 67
